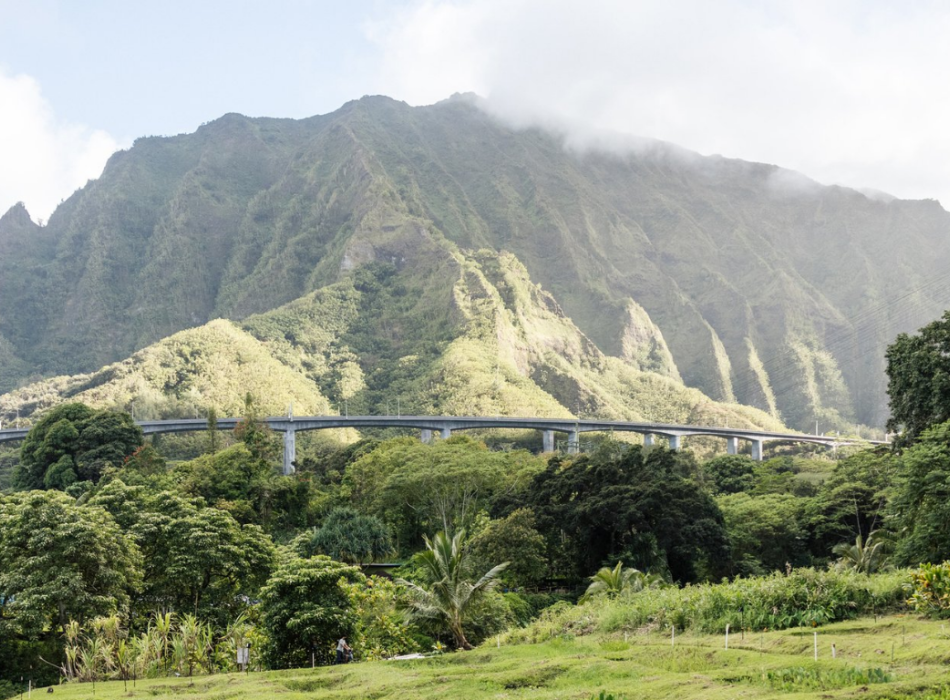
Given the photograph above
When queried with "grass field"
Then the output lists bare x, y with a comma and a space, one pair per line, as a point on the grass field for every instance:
894, 657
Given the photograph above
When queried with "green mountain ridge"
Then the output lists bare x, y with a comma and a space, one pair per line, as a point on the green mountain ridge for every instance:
477, 337
747, 282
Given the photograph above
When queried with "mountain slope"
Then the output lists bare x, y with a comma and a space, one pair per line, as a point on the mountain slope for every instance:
475, 337
745, 281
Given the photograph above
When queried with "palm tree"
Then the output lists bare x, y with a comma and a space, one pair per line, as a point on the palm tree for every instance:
864, 556
448, 591
613, 582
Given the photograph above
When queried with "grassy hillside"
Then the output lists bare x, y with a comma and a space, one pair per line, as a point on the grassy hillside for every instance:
747, 282
894, 657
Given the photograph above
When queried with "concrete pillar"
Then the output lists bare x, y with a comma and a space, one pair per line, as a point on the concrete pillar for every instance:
290, 451
574, 443
426, 436
732, 445
675, 441
757, 446
547, 441
446, 433
648, 440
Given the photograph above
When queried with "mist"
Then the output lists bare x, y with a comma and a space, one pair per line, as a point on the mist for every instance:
845, 93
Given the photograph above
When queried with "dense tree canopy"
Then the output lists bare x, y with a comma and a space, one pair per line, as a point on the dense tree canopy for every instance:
922, 501
306, 608
75, 443
635, 506
350, 537
918, 374
60, 561
196, 559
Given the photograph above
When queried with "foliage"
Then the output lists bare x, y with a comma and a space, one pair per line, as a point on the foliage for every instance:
248, 487
931, 589
61, 561
805, 597
792, 680
852, 501
620, 581
448, 589
382, 629
418, 487
765, 532
74, 443
196, 559
918, 373
516, 540
921, 505
864, 556
731, 473
349, 537
637, 506
306, 607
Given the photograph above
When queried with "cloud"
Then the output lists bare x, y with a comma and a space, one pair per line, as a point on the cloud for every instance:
847, 92
44, 159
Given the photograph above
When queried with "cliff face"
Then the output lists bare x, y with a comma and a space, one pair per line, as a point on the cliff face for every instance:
747, 282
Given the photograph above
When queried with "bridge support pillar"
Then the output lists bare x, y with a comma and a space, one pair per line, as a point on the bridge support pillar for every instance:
290, 451
547, 441
648, 440
574, 443
675, 442
446, 433
732, 445
757, 446
426, 436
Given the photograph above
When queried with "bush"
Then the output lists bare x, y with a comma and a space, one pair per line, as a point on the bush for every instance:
805, 597
931, 589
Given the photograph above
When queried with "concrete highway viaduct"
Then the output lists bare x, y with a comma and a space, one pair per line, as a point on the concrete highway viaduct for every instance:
446, 425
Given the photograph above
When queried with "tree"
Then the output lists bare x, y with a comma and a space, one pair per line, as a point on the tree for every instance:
418, 488
853, 501
75, 443
513, 539
305, 607
612, 582
350, 537
196, 559
254, 433
61, 561
731, 473
864, 556
765, 532
918, 373
636, 507
921, 505
447, 591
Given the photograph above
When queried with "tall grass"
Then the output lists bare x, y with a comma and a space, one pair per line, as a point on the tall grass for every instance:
805, 597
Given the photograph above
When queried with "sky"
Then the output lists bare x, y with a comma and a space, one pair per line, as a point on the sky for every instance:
846, 92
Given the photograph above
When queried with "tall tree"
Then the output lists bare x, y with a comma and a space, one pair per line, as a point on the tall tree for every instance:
75, 443
921, 505
350, 537
305, 607
60, 561
448, 588
918, 374
633, 506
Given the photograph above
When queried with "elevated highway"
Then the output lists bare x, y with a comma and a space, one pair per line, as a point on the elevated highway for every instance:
446, 425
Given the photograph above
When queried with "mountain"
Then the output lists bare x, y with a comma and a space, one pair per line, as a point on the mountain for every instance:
384, 248
469, 335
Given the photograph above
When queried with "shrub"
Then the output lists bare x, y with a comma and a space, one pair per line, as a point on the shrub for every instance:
806, 597
931, 589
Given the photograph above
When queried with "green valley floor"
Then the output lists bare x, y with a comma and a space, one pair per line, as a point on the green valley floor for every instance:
893, 657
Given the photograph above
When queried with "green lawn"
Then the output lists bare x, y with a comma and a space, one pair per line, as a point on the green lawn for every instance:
773, 664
